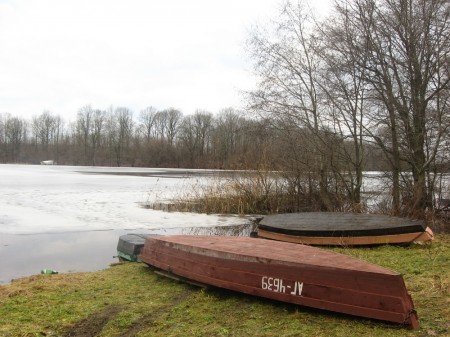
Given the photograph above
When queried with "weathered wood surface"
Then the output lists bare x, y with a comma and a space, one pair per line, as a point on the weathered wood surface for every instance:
424, 236
343, 225
129, 246
339, 224
287, 272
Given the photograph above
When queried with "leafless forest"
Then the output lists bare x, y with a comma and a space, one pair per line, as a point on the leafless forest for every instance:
365, 88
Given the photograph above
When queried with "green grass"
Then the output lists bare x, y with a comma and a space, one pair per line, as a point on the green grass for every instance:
131, 300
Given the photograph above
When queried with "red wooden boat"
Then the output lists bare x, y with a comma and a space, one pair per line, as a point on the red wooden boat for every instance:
286, 272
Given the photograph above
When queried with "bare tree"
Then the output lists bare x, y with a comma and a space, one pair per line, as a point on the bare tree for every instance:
188, 139
225, 135
289, 91
58, 133
123, 130
47, 130
161, 124
374, 65
173, 121
89, 128
14, 130
194, 135
83, 130
403, 48
202, 125
97, 129
43, 129
147, 125
347, 98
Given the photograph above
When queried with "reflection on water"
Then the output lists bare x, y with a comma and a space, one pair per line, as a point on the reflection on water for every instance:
237, 230
24, 255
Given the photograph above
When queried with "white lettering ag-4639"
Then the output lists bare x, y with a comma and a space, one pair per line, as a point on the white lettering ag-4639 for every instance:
278, 285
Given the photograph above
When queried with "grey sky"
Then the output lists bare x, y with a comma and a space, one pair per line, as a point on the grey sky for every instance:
60, 55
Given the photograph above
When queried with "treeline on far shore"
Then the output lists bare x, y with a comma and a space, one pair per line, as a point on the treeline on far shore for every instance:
317, 170
118, 137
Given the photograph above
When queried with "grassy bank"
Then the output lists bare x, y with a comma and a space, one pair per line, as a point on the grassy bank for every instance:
131, 300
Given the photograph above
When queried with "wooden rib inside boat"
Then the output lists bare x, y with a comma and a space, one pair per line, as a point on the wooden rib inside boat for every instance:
348, 229
286, 272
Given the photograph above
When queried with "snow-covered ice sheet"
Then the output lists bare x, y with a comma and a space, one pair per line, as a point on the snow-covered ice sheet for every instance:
55, 199
70, 218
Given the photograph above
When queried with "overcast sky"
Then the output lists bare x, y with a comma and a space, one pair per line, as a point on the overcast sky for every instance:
60, 55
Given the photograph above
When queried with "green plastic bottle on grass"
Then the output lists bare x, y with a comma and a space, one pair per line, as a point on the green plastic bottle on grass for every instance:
48, 271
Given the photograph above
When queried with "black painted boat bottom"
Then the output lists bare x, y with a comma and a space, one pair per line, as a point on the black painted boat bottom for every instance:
333, 224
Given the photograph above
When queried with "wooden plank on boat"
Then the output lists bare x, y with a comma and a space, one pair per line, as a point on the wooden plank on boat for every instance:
323, 228
424, 236
287, 272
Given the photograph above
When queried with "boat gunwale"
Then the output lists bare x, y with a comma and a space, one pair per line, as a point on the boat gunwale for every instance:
404, 238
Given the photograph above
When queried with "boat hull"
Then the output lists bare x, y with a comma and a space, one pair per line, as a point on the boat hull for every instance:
129, 246
424, 236
322, 228
276, 270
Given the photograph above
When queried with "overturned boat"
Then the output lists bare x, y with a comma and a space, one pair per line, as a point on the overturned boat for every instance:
130, 245
347, 229
286, 272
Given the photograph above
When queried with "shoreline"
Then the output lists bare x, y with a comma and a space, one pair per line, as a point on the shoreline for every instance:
130, 299
80, 251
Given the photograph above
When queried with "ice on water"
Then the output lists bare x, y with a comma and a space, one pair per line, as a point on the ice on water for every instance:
55, 199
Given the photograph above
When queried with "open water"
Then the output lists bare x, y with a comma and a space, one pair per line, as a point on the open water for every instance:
70, 218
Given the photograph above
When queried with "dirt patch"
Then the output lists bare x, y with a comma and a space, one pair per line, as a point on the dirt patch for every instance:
94, 323
152, 317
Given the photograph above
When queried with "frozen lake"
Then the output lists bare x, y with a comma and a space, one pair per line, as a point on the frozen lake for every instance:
70, 218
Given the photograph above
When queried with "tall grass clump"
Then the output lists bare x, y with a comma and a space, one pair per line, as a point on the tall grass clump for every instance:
256, 192
241, 192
